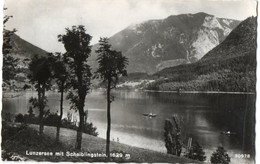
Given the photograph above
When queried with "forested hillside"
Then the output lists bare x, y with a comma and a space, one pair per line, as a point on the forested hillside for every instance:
231, 66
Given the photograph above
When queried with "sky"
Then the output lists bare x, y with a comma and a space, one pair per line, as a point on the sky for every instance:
41, 21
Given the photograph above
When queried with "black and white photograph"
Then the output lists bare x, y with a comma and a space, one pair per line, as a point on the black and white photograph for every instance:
129, 81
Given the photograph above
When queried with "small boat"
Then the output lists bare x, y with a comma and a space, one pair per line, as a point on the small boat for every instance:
228, 133
150, 115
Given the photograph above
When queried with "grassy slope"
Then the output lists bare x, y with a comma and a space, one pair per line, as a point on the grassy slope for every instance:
29, 140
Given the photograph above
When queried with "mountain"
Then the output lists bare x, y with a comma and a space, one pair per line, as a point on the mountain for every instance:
22, 50
157, 44
25, 49
240, 42
230, 66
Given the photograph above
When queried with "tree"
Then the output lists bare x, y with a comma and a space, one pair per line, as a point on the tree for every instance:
168, 134
61, 75
31, 115
177, 136
112, 65
76, 42
40, 76
172, 136
220, 156
9, 62
197, 153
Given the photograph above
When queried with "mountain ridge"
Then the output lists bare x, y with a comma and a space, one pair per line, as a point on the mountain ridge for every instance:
23, 51
149, 44
239, 37
25, 48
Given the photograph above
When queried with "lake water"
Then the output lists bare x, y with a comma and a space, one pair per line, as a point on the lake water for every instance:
204, 117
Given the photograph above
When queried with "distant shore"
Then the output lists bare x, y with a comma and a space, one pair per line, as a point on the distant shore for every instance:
11, 94
207, 92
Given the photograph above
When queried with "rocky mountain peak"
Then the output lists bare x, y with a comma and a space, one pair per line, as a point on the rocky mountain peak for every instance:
241, 41
173, 40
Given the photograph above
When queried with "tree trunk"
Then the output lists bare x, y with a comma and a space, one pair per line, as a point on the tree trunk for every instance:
82, 97
42, 109
61, 113
40, 97
81, 121
58, 133
41, 125
79, 132
108, 120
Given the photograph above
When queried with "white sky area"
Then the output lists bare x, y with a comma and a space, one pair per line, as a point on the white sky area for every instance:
40, 21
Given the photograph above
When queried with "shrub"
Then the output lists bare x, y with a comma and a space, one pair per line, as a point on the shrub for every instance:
90, 129
196, 153
52, 119
19, 118
220, 156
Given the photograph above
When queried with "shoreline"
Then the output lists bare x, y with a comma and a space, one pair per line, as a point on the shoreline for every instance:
204, 92
12, 94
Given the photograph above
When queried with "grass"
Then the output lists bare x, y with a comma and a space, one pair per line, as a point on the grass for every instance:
16, 140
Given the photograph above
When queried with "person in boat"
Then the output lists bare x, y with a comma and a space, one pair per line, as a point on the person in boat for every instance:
227, 133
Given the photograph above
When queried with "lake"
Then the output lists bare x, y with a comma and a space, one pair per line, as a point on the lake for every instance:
204, 117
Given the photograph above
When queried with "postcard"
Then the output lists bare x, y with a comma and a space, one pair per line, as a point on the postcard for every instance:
129, 81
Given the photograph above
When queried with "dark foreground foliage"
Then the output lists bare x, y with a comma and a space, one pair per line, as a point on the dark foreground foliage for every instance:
52, 119
220, 156
196, 152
